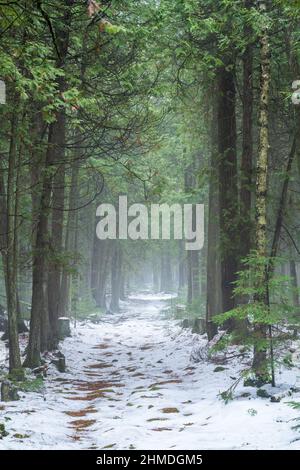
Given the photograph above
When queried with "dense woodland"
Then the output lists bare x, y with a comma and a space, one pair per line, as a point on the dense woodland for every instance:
169, 101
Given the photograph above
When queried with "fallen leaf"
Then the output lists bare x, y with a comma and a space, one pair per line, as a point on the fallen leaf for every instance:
161, 429
170, 410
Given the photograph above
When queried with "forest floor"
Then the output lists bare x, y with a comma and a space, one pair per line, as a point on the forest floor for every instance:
131, 383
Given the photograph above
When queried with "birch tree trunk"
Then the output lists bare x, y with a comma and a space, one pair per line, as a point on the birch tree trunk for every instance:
260, 330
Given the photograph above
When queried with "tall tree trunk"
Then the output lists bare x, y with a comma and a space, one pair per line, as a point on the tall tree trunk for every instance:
116, 268
166, 278
22, 328
123, 294
101, 259
97, 251
3, 247
37, 131
193, 267
213, 284
182, 264
74, 282
12, 249
69, 240
247, 146
260, 353
3, 223
228, 189
294, 277
155, 273
40, 256
56, 241
56, 145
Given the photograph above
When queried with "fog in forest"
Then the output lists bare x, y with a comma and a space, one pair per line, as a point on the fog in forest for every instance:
149, 229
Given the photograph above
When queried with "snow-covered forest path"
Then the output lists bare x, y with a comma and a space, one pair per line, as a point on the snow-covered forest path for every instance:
130, 384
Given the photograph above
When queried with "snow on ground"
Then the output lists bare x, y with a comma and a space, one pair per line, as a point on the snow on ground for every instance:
131, 384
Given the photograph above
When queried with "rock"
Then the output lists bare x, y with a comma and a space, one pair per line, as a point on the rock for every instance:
245, 395
64, 329
262, 393
279, 396
60, 362
199, 326
3, 432
9, 391
275, 399
254, 382
219, 369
